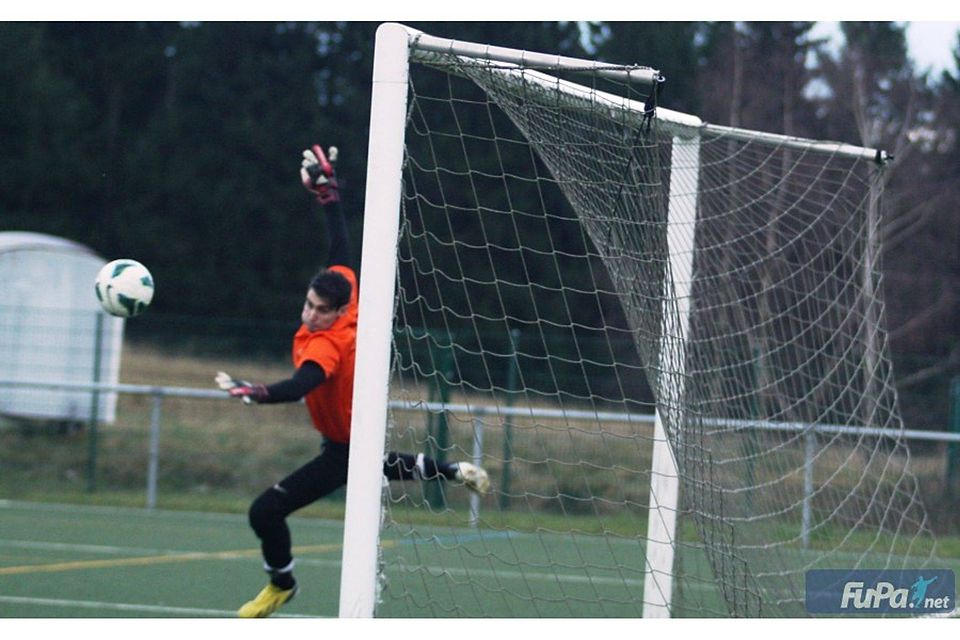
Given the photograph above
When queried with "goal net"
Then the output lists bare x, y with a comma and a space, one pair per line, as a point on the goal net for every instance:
661, 338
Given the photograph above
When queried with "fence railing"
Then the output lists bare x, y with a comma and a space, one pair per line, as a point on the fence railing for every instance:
476, 412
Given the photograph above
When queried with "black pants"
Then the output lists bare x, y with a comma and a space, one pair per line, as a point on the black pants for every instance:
318, 478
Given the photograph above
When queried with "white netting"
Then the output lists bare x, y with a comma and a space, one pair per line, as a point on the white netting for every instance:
540, 321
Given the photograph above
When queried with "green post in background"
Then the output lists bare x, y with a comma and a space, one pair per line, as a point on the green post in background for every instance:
513, 373
95, 405
438, 434
953, 450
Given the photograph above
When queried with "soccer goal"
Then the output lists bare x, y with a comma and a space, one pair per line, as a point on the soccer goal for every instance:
662, 338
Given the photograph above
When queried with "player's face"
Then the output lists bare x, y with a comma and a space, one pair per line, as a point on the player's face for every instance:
319, 313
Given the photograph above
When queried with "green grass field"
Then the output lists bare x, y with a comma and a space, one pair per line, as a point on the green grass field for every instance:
92, 561
87, 561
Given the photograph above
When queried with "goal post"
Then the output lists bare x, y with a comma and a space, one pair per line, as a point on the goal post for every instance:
639, 324
664, 474
361, 541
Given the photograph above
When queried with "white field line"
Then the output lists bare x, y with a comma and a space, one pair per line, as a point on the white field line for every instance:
129, 607
513, 574
433, 570
150, 514
135, 551
89, 548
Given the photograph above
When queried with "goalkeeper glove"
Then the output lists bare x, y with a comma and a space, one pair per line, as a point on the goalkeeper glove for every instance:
318, 176
247, 391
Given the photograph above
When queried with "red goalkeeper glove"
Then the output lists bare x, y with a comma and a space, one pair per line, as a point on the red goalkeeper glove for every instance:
247, 391
318, 176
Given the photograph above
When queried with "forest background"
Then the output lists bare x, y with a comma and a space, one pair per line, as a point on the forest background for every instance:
179, 143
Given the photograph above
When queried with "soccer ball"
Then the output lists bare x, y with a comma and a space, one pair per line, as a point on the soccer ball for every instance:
124, 288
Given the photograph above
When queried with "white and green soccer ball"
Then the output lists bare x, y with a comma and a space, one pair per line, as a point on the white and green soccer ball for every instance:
124, 288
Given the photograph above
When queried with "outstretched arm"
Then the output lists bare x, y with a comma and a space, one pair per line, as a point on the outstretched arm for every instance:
307, 377
339, 249
319, 177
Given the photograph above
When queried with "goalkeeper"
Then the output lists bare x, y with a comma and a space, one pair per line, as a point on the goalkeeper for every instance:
323, 357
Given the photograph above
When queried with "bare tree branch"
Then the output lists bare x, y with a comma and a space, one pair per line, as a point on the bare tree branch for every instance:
911, 220
949, 364
919, 321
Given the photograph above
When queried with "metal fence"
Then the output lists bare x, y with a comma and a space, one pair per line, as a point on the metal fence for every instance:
158, 394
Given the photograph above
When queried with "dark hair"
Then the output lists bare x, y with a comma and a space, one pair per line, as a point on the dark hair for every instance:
332, 286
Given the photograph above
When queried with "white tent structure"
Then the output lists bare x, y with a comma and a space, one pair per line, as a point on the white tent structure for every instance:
52, 329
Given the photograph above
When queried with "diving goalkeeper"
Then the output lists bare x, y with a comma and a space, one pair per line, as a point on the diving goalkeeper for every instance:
323, 358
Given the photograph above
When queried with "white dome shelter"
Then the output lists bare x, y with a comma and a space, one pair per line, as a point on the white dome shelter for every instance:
49, 320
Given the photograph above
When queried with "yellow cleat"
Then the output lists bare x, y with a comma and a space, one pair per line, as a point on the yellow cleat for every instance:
267, 601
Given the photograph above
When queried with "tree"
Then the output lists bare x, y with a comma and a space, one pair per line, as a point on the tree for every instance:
933, 232
669, 47
177, 144
755, 74
876, 97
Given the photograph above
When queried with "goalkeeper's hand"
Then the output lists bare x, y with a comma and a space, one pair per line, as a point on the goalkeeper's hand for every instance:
247, 391
318, 175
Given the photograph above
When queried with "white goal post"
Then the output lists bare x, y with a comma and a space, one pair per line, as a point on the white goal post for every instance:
723, 334
365, 479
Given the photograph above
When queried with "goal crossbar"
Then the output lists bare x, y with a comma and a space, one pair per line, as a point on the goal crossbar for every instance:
422, 43
519, 62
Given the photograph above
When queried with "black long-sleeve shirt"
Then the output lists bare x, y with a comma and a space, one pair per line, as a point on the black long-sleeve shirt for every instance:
304, 380
338, 251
